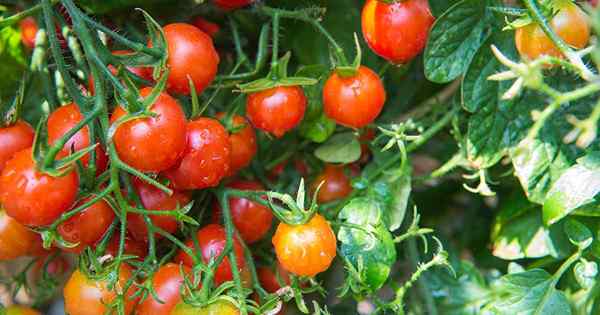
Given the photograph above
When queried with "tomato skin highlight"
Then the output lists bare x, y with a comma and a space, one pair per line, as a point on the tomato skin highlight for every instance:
153, 198
85, 296
276, 110
570, 24
14, 138
191, 53
152, 144
243, 143
398, 31
354, 101
216, 308
232, 4
336, 184
16, 240
29, 29
166, 282
251, 219
88, 226
207, 157
305, 250
211, 241
42, 198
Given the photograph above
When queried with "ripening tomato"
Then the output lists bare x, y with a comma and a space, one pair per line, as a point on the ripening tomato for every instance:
570, 24
336, 184
152, 144
354, 101
31, 197
208, 27
232, 4
207, 157
166, 282
268, 278
20, 310
305, 250
61, 121
243, 143
211, 240
251, 219
13, 139
29, 30
276, 110
396, 31
87, 296
132, 247
220, 307
191, 54
15, 239
153, 198
88, 226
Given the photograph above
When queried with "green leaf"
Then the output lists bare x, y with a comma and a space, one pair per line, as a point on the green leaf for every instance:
12, 61
393, 188
438, 7
530, 292
341, 148
575, 188
578, 234
454, 39
317, 130
371, 253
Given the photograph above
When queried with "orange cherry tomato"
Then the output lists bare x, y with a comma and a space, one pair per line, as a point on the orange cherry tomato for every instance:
20, 310
15, 239
13, 139
276, 110
336, 184
29, 30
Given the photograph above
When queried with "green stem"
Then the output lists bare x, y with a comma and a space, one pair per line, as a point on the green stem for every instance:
16, 18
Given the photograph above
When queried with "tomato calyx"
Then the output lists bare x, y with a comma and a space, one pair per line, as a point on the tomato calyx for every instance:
296, 212
344, 70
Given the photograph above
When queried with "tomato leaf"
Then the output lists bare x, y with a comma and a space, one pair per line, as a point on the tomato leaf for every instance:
579, 235
394, 188
369, 246
12, 61
341, 148
438, 7
454, 39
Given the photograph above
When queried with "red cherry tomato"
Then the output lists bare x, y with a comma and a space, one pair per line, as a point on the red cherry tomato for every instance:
211, 240
251, 219
208, 27
87, 296
88, 226
33, 198
152, 144
20, 310
570, 24
396, 31
153, 198
232, 4
191, 54
166, 282
243, 143
61, 121
207, 157
132, 247
594, 3
354, 101
219, 307
305, 250
336, 185
276, 110
268, 278
29, 30
13, 139
15, 239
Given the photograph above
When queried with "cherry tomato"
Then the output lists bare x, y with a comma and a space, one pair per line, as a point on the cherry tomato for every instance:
570, 24
354, 101
15, 239
29, 30
56, 267
166, 282
336, 185
86, 296
13, 139
276, 110
268, 278
20, 310
31, 197
88, 226
208, 27
61, 121
396, 31
219, 307
305, 250
191, 54
251, 219
207, 157
152, 144
243, 143
132, 247
232, 4
153, 198
211, 241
